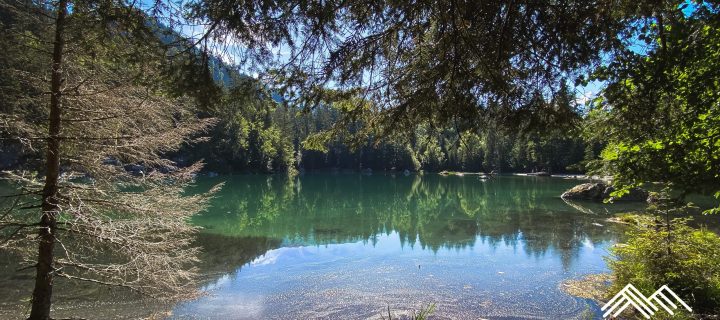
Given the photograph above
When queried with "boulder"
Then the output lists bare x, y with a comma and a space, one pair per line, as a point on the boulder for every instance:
586, 191
598, 191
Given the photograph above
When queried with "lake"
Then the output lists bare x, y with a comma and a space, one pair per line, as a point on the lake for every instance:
345, 246
349, 246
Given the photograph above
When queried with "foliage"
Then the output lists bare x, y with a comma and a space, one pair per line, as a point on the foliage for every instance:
538, 143
439, 63
660, 111
349, 126
247, 136
684, 258
258, 134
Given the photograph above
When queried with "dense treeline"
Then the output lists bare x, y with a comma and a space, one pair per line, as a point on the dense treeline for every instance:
258, 132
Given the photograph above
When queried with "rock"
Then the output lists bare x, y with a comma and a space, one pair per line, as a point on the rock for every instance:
599, 191
586, 191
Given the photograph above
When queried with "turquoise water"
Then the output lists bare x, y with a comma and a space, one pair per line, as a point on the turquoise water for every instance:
349, 246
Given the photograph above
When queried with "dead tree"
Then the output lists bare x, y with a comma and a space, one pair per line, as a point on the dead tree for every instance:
102, 204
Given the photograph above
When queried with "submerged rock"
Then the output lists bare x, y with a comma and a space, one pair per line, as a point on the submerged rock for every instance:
598, 191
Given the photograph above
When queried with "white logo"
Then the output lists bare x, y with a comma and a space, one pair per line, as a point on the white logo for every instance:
632, 296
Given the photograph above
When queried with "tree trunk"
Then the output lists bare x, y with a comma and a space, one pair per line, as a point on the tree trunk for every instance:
42, 293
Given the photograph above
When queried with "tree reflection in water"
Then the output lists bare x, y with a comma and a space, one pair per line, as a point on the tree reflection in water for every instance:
432, 211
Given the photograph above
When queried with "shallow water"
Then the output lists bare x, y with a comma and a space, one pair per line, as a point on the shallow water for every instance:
346, 246
349, 246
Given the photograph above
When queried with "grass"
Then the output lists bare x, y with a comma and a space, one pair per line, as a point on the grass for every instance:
421, 314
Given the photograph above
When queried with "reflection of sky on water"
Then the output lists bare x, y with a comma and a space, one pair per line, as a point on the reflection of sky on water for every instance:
359, 280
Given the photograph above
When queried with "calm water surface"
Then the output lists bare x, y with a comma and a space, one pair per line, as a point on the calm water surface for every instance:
347, 246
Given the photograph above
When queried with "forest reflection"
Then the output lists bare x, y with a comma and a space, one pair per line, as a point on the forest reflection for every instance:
399, 217
431, 212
